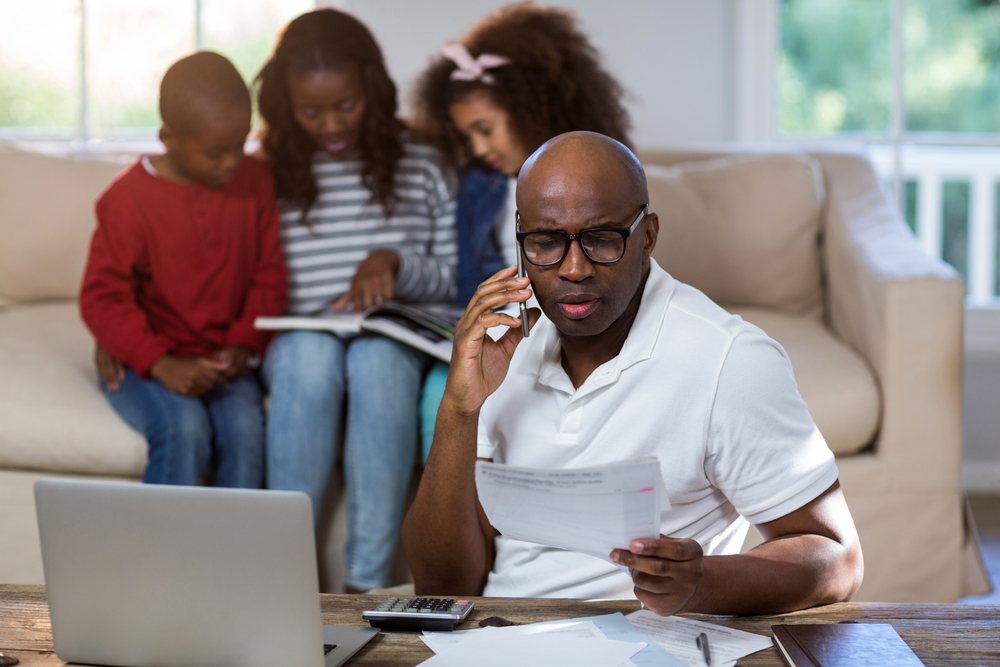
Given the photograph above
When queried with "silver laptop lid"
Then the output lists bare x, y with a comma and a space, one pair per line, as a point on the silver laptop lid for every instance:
145, 575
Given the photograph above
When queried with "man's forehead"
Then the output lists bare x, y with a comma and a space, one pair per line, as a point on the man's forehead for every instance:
570, 195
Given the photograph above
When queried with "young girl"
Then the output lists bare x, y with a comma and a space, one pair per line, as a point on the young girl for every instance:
521, 76
367, 216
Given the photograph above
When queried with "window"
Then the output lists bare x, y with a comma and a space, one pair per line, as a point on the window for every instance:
919, 82
93, 72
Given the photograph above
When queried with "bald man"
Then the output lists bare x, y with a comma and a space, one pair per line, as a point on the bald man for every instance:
628, 362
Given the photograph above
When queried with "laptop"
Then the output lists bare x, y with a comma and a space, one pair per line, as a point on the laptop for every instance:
139, 575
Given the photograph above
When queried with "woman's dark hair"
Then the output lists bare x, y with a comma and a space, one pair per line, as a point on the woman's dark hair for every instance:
553, 84
314, 42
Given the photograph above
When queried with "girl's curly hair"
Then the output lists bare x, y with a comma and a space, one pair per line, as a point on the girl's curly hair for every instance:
314, 42
553, 84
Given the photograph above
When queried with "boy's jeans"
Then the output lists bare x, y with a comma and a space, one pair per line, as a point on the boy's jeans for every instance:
183, 433
309, 374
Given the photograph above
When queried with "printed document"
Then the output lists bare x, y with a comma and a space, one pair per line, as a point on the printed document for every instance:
588, 510
677, 636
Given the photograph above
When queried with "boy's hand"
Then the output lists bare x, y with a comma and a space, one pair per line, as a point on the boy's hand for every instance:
231, 361
193, 376
374, 282
112, 371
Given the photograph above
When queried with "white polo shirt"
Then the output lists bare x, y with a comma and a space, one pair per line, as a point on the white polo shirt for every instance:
710, 395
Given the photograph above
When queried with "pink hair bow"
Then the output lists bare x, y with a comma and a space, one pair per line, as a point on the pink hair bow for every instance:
469, 68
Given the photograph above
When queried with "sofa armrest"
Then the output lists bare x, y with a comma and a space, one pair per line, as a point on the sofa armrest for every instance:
903, 310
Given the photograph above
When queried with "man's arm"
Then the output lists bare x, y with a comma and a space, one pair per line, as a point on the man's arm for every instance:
448, 540
810, 557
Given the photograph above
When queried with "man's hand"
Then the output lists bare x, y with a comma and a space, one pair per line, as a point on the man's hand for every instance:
112, 370
192, 376
231, 361
666, 572
373, 283
478, 363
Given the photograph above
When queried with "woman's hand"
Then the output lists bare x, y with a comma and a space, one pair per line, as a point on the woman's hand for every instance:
374, 282
478, 363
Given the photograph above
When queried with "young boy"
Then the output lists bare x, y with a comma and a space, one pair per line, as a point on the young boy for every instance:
185, 255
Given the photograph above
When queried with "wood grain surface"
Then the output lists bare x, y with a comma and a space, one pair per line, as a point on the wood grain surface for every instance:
940, 634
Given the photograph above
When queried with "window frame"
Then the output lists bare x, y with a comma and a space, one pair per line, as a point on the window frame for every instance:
122, 139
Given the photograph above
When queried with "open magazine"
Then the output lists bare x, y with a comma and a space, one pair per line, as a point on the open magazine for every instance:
429, 328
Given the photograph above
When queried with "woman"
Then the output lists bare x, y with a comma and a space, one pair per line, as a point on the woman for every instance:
367, 216
521, 76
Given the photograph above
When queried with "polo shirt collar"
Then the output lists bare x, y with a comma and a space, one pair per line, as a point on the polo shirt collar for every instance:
639, 345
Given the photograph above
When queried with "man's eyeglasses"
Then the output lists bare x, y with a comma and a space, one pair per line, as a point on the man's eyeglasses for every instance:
602, 245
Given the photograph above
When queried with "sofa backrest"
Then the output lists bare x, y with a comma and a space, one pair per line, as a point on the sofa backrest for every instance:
46, 219
744, 228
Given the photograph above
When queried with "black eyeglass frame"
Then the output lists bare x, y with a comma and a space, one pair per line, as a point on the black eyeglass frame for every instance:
624, 231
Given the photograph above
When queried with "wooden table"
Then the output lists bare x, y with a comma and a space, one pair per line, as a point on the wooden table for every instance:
940, 634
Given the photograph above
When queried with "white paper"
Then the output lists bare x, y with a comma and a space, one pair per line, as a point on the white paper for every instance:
443, 641
348, 323
588, 510
497, 649
677, 635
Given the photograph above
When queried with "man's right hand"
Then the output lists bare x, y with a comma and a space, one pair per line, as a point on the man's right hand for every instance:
478, 363
191, 376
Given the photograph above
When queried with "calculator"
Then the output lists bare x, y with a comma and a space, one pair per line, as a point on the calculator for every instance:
418, 614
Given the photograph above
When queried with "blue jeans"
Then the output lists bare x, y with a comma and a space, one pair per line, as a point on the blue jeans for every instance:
183, 433
309, 374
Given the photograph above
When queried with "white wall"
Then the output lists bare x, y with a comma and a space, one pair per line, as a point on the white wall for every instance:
674, 57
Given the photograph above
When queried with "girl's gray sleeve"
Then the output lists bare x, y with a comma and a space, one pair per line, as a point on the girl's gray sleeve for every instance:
427, 274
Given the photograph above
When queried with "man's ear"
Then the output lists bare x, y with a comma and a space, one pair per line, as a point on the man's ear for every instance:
650, 231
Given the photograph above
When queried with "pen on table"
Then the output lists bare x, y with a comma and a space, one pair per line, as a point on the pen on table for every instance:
702, 641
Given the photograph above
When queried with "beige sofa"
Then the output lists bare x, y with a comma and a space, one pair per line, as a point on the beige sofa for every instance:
53, 418
810, 248
806, 246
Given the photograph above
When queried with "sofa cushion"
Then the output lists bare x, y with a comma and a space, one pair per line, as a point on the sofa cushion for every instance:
53, 416
46, 218
743, 229
835, 381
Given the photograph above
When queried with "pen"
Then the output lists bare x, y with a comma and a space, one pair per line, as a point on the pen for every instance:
702, 641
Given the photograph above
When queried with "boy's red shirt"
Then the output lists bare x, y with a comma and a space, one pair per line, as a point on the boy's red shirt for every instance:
183, 269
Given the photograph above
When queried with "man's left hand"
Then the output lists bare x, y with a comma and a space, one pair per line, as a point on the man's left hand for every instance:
666, 572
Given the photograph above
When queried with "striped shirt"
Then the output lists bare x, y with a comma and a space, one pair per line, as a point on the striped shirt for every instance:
345, 224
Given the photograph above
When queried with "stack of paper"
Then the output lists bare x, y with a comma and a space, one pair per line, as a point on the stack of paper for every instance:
679, 637
588, 510
598, 641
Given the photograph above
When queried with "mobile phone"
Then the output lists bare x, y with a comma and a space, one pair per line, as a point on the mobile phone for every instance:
523, 308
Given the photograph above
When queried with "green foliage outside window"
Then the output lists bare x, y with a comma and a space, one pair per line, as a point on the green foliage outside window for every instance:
834, 71
28, 103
